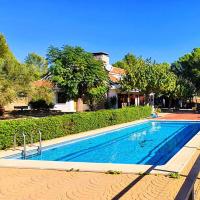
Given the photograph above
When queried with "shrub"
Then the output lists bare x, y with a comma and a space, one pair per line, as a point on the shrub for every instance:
113, 172
58, 126
40, 105
175, 175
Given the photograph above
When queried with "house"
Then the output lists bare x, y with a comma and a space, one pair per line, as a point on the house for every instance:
115, 74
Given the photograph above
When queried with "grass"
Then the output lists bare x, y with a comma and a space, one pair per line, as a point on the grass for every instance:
72, 170
112, 172
174, 175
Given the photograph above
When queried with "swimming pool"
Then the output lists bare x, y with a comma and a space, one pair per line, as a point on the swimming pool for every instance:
148, 143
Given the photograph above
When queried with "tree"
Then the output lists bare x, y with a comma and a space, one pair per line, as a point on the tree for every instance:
77, 72
42, 96
15, 78
184, 90
120, 64
95, 95
42, 93
147, 76
128, 60
188, 68
38, 64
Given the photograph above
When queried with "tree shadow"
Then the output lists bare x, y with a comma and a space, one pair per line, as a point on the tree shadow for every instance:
185, 192
134, 182
187, 189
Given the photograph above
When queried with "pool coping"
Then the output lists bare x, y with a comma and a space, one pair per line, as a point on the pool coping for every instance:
175, 164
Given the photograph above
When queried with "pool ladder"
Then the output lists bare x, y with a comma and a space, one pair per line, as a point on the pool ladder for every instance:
24, 153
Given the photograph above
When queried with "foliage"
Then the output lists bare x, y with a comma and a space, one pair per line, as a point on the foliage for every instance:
175, 175
41, 96
184, 89
38, 64
42, 93
120, 64
77, 72
15, 78
40, 104
95, 96
58, 126
128, 60
72, 170
147, 76
7, 92
113, 172
188, 69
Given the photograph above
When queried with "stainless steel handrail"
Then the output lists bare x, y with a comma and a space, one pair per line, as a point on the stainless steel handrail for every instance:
31, 139
24, 151
40, 142
39, 149
14, 145
14, 142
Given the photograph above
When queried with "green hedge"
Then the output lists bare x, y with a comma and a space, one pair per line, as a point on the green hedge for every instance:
58, 126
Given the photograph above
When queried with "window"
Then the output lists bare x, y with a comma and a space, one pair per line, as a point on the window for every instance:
61, 97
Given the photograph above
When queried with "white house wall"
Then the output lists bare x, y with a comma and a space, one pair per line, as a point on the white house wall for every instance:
65, 107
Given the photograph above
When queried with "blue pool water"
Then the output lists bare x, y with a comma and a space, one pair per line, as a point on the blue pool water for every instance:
152, 142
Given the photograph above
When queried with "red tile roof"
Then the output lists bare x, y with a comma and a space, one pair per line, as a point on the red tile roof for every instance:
116, 70
113, 79
43, 83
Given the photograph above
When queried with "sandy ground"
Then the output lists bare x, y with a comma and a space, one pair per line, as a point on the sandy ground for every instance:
28, 184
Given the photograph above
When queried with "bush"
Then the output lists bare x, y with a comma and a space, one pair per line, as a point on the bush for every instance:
58, 126
40, 105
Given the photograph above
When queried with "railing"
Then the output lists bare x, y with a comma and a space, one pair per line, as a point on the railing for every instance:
24, 142
40, 142
24, 152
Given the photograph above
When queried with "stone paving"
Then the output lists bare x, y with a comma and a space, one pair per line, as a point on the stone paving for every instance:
28, 184
180, 116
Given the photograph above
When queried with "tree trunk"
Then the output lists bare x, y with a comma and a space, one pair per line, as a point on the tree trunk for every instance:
196, 102
146, 99
92, 105
79, 105
128, 99
170, 102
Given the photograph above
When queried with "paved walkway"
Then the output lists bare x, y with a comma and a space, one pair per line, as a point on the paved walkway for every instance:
180, 116
27, 184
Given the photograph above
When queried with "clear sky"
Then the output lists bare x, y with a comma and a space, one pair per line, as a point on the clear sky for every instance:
161, 29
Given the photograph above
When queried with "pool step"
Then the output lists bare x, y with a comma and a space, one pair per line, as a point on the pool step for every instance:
31, 153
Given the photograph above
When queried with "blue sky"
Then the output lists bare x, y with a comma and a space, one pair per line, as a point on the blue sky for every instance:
161, 29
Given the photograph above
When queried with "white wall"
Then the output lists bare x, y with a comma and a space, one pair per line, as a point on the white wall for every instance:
65, 107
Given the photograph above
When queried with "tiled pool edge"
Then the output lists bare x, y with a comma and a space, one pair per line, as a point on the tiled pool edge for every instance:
175, 164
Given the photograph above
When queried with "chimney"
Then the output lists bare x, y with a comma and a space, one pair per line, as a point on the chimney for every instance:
102, 56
